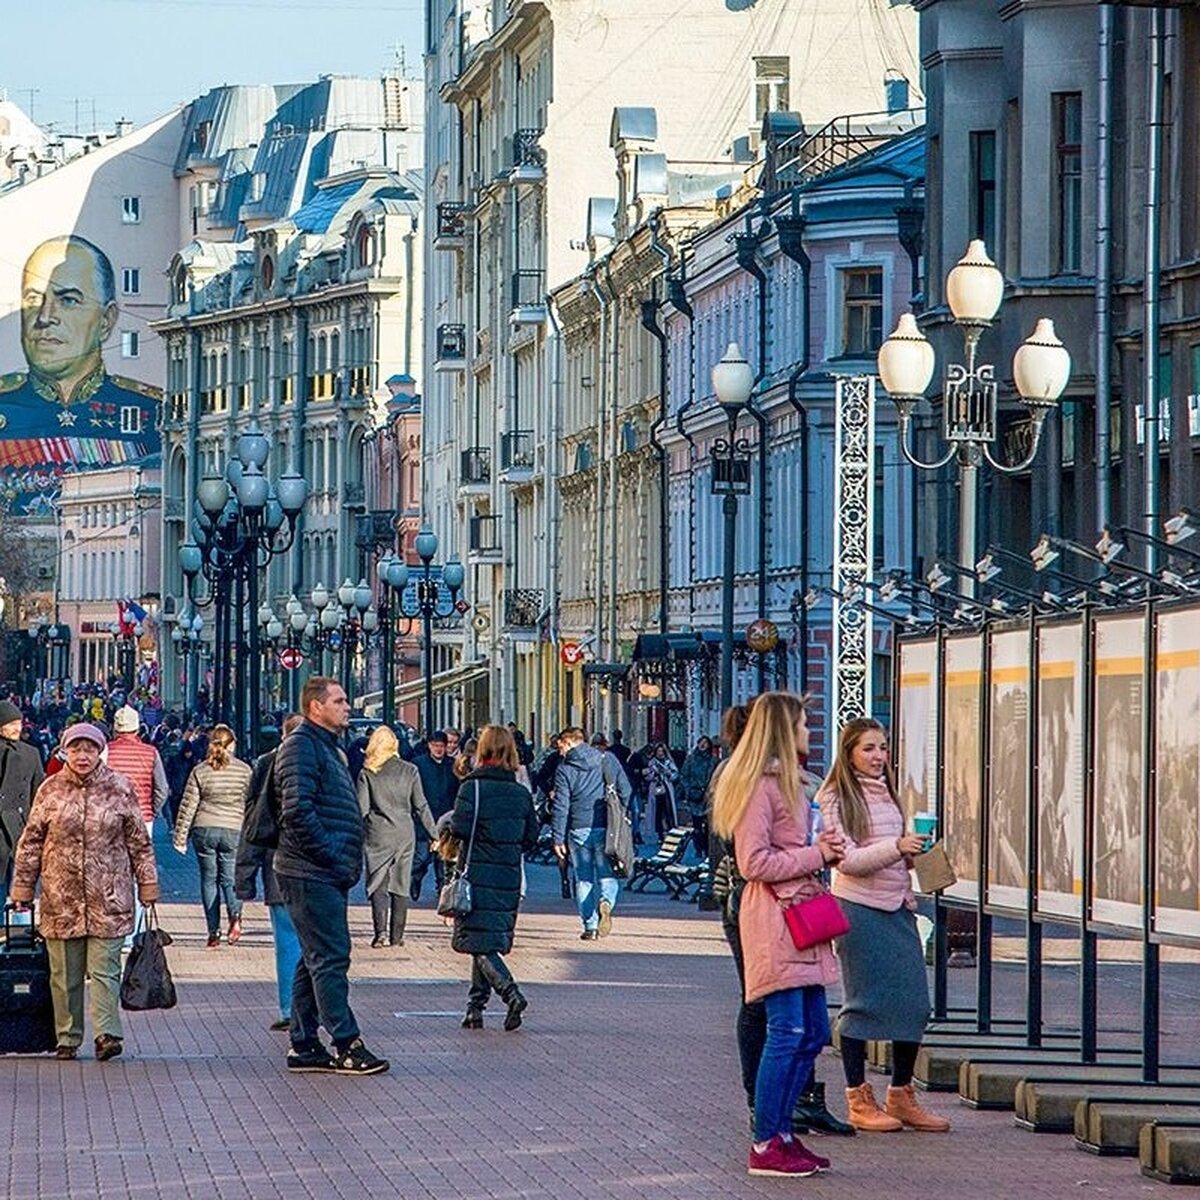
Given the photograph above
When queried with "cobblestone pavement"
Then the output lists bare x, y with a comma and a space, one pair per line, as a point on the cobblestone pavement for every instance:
621, 1084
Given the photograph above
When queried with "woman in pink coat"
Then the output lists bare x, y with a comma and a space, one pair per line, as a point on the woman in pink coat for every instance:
762, 803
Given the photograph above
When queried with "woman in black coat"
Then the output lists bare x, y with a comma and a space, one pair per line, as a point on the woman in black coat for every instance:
499, 810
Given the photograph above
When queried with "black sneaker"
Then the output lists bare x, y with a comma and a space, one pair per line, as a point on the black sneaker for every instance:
108, 1047
315, 1058
589, 935
356, 1059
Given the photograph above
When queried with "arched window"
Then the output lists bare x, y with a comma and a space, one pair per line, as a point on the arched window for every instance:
322, 353
364, 247
335, 350
180, 285
268, 273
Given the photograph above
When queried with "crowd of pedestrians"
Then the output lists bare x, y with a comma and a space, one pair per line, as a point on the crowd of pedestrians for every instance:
309, 819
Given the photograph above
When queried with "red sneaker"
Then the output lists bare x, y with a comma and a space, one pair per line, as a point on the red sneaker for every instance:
780, 1158
799, 1149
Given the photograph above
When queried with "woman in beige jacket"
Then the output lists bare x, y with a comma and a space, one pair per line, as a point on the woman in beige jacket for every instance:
86, 842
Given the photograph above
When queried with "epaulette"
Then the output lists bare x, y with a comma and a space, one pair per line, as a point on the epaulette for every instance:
136, 385
12, 382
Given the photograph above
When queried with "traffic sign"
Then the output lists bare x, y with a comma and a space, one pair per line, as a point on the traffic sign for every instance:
571, 653
290, 658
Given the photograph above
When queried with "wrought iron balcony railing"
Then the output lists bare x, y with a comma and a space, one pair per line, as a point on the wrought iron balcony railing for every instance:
516, 450
451, 220
523, 607
452, 343
484, 534
476, 466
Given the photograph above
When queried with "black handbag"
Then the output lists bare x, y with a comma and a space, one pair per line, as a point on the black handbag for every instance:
618, 834
147, 981
455, 900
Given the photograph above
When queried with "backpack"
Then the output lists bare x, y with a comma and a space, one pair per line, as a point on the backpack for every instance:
261, 823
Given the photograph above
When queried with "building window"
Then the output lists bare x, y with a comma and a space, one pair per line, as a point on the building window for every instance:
131, 281
131, 418
983, 187
365, 247
129, 343
862, 312
1068, 134
772, 92
131, 210
268, 274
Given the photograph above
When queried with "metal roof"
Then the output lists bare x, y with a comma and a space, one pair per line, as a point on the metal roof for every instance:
318, 213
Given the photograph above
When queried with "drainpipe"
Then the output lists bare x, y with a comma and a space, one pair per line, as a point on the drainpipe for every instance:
791, 242
677, 295
746, 247
553, 469
614, 405
1104, 266
651, 324
602, 370
1154, 123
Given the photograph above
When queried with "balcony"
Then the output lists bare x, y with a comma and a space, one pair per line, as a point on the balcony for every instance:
516, 456
528, 157
523, 608
451, 348
451, 225
484, 541
475, 473
528, 299
354, 495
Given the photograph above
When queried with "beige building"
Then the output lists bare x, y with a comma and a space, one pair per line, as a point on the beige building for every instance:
520, 123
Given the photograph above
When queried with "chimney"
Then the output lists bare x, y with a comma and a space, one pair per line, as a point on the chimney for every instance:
895, 88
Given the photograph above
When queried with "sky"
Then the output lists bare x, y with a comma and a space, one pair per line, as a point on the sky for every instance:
140, 58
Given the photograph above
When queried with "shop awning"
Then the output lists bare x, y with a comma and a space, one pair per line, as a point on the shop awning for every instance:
659, 647
413, 690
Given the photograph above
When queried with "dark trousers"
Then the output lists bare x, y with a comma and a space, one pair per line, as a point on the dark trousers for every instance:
422, 857
321, 987
389, 913
489, 974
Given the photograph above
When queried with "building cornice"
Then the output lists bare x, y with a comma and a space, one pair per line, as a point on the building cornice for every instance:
521, 24
952, 54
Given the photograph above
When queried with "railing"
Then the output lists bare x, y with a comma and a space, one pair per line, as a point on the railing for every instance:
527, 289
451, 343
484, 534
523, 607
526, 150
476, 465
516, 450
451, 219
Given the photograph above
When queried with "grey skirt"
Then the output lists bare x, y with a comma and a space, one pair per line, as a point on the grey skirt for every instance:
885, 988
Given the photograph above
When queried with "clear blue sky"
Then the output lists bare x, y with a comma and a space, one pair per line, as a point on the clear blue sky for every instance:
138, 58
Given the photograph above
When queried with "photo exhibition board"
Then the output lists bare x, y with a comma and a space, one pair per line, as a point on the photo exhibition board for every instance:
916, 728
1118, 766
1176, 797
1060, 771
962, 761
1008, 784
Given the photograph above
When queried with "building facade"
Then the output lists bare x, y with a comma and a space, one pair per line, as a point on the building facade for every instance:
521, 97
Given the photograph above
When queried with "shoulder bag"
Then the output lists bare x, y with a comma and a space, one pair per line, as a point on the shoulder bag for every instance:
811, 922
454, 900
147, 981
618, 834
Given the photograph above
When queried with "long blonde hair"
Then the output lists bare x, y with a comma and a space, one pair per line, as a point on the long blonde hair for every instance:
768, 746
382, 746
844, 783
221, 744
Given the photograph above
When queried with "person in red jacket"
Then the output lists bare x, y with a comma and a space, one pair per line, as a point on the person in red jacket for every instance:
139, 762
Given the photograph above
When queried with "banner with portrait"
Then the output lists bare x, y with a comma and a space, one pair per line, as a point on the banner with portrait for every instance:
1177, 773
1008, 781
962, 760
1060, 771
1118, 770
916, 727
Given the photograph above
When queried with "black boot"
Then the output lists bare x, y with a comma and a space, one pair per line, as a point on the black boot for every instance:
473, 1019
811, 1112
517, 1004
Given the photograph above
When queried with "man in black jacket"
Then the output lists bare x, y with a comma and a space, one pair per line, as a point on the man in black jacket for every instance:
317, 862
21, 775
440, 785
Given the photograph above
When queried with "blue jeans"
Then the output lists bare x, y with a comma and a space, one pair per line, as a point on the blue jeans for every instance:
321, 985
593, 872
797, 1031
216, 851
287, 955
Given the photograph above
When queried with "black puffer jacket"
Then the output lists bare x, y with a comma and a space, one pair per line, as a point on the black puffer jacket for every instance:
253, 859
320, 828
507, 827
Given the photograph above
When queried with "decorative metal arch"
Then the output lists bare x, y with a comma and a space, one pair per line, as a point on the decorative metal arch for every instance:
853, 545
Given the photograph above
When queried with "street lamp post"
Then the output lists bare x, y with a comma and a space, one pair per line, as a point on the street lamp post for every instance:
427, 606
356, 615
188, 638
1041, 368
733, 380
240, 528
126, 638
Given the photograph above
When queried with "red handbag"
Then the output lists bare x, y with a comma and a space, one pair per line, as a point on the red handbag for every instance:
811, 922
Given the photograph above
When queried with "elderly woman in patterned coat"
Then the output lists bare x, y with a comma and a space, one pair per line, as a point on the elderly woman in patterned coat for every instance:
86, 841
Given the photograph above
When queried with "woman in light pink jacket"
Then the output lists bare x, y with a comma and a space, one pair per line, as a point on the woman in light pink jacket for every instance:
761, 803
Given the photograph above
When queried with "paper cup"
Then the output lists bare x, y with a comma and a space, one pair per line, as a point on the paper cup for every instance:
925, 824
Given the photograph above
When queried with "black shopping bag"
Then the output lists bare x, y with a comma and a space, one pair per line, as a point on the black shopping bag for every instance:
147, 981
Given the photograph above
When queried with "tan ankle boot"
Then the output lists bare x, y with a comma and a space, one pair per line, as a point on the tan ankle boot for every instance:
865, 1113
902, 1104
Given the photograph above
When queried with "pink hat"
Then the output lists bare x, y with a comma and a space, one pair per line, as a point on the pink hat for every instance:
81, 729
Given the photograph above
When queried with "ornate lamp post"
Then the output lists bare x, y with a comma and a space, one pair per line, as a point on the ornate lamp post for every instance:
358, 621
428, 603
244, 520
1041, 368
393, 577
126, 638
48, 640
188, 639
733, 380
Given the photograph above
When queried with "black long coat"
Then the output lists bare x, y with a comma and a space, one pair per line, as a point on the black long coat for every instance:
507, 827
21, 775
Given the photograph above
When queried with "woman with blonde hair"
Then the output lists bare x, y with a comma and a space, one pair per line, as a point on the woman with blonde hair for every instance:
494, 821
211, 813
391, 800
886, 993
761, 803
